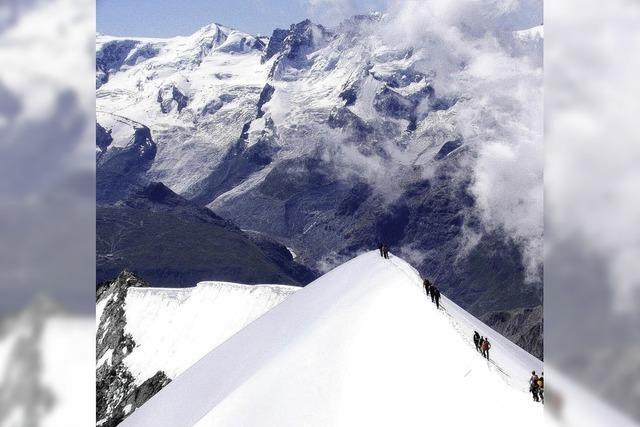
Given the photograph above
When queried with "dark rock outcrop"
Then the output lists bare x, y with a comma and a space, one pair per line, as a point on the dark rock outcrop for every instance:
275, 44
523, 326
265, 96
117, 395
447, 148
170, 97
121, 170
103, 138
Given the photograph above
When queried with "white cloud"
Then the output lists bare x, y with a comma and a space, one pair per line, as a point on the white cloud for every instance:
330, 12
499, 114
591, 174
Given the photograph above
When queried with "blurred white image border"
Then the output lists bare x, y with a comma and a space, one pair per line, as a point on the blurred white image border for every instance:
47, 211
47, 219
592, 207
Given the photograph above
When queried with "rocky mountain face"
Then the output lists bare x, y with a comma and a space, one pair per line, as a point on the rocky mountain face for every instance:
147, 336
117, 394
523, 326
173, 242
324, 140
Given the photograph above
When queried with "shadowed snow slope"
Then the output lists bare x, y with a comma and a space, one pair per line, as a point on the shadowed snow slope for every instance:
359, 346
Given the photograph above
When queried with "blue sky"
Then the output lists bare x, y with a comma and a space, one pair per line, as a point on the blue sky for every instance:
164, 18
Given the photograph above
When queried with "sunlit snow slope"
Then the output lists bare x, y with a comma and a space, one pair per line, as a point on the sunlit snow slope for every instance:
359, 346
173, 328
148, 336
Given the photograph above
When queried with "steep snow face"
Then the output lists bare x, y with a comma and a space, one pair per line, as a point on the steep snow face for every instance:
173, 328
359, 346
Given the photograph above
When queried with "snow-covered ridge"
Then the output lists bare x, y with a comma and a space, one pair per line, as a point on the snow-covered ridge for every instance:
359, 346
173, 328
147, 336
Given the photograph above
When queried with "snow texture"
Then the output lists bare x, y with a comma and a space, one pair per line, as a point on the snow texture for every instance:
173, 328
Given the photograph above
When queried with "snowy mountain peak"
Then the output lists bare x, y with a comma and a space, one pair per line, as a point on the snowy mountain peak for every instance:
303, 37
225, 39
357, 20
297, 41
114, 54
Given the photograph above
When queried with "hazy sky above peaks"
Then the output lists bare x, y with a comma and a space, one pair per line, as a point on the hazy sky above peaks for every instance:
166, 18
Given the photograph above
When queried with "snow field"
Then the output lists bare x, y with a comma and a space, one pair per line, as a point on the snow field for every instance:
173, 328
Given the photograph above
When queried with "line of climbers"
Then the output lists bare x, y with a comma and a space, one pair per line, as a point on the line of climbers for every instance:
482, 344
432, 290
536, 384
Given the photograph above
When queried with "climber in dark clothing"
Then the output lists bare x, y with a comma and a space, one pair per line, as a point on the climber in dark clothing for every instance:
427, 286
380, 247
385, 251
476, 340
437, 292
433, 290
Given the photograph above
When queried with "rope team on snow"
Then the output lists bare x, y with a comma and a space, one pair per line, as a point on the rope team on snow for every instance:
536, 384
432, 290
482, 344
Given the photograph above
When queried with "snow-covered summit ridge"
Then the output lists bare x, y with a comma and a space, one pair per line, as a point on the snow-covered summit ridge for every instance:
117, 53
147, 336
172, 326
359, 346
